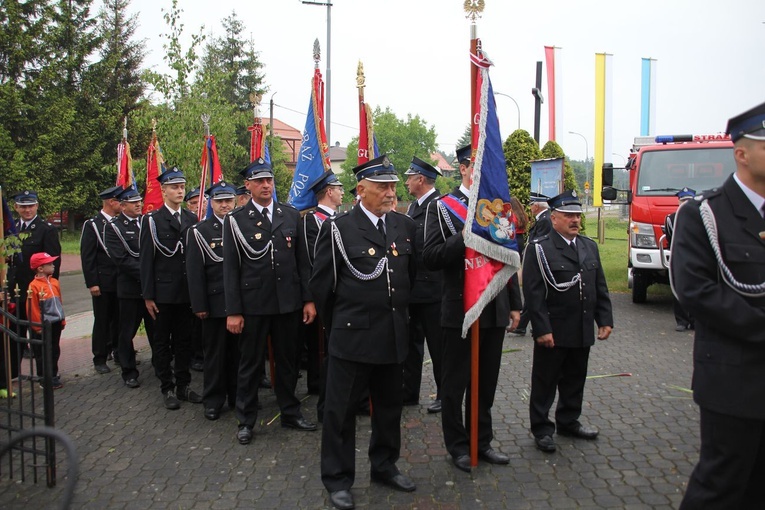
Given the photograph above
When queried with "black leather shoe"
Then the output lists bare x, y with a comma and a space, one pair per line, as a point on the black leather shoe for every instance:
265, 383
681, 327
492, 456
343, 500
171, 401
435, 407
198, 366
132, 383
298, 424
463, 463
244, 435
545, 443
399, 482
103, 368
211, 413
189, 395
579, 431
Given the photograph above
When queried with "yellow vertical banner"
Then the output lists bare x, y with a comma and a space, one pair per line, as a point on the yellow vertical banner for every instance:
603, 100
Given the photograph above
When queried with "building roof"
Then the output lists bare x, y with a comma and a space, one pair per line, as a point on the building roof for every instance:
441, 162
337, 153
283, 130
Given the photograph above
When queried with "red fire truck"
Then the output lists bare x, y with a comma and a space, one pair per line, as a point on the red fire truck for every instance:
658, 168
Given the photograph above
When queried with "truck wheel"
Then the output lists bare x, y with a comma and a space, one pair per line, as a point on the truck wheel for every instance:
639, 287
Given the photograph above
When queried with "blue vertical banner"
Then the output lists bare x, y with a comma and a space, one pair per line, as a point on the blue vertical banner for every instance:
648, 97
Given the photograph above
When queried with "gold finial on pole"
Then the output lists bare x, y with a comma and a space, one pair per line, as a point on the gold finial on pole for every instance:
206, 121
153, 125
473, 9
360, 76
255, 100
124, 128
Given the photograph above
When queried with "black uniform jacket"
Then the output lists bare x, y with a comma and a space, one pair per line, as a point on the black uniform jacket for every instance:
121, 237
261, 272
729, 346
163, 277
446, 252
309, 227
367, 320
40, 237
568, 315
204, 267
542, 226
427, 288
97, 266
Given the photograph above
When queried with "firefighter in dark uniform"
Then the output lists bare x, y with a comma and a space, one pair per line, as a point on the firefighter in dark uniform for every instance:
445, 251
204, 269
541, 227
192, 199
242, 195
566, 294
37, 236
267, 293
425, 301
329, 194
683, 320
165, 289
121, 238
363, 273
100, 274
718, 274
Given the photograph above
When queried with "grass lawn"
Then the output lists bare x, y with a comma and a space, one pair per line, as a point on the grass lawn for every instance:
70, 242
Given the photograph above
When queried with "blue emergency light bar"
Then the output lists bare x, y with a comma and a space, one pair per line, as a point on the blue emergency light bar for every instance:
674, 138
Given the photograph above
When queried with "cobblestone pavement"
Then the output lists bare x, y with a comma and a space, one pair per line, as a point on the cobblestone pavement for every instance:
136, 455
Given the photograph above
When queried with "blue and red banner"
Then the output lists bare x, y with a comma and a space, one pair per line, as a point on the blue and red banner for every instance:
155, 165
9, 226
491, 253
211, 174
313, 160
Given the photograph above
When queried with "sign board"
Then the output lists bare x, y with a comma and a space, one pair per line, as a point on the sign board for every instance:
547, 176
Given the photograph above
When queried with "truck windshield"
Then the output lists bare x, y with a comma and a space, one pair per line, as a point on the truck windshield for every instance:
667, 172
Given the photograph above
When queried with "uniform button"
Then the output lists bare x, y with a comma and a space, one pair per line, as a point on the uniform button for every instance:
394, 308
392, 290
348, 325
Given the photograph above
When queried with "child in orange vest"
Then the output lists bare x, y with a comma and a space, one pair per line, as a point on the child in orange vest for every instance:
44, 303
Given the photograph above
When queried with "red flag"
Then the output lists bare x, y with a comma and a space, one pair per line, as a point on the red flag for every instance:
367, 143
211, 172
155, 165
125, 175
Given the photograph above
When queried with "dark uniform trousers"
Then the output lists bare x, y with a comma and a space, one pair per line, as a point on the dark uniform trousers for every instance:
424, 314
269, 291
368, 339
204, 270
570, 316
100, 270
41, 237
446, 252
728, 350
121, 238
163, 279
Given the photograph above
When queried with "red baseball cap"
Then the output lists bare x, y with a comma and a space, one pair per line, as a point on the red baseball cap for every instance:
39, 259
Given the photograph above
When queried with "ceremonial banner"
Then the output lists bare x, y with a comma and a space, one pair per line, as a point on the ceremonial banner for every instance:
603, 125
211, 174
155, 165
125, 177
314, 150
368, 148
491, 253
648, 97
554, 78
9, 226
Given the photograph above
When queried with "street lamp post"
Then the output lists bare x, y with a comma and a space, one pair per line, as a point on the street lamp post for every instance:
586, 156
516, 105
329, 62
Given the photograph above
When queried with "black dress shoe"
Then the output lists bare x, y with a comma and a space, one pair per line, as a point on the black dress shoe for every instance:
244, 435
463, 463
211, 413
103, 368
198, 366
343, 500
298, 424
189, 395
132, 383
681, 327
492, 456
171, 401
265, 383
399, 482
545, 443
435, 407
579, 431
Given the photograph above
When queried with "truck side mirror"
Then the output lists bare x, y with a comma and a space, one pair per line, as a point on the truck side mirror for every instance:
608, 192
608, 176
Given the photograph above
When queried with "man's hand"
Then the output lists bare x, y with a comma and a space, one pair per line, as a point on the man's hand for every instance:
151, 306
309, 312
201, 315
515, 319
546, 340
95, 291
604, 332
235, 324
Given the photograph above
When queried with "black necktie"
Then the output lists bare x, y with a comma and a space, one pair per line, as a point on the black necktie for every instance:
572, 245
413, 208
381, 227
177, 216
266, 219
23, 226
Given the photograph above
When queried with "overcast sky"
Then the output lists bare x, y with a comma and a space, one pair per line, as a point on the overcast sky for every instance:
711, 63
